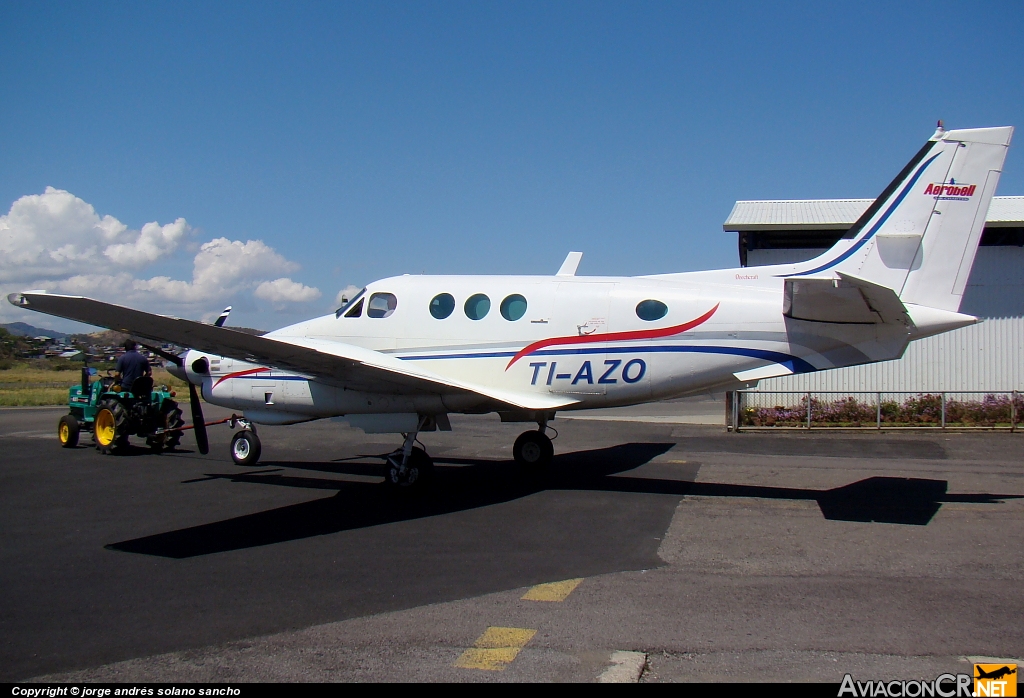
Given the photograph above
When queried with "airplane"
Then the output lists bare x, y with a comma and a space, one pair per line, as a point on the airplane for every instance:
995, 674
407, 351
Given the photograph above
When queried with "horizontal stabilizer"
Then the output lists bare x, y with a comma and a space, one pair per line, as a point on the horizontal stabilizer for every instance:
846, 300
762, 372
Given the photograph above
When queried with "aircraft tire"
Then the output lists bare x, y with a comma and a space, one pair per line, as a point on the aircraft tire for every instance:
246, 448
418, 472
68, 430
533, 450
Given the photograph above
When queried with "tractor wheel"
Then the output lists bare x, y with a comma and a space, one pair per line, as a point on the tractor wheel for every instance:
67, 431
111, 426
173, 421
168, 440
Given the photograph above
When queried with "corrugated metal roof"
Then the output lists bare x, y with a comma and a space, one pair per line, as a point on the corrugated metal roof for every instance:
837, 214
1006, 209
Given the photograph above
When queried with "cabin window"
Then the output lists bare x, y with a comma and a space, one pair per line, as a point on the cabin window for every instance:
356, 310
478, 306
442, 305
381, 305
651, 310
513, 307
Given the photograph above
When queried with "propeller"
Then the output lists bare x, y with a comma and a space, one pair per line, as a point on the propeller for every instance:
198, 422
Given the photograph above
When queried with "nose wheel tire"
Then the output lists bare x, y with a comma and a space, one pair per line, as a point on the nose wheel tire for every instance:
245, 448
533, 450
418, 469
67, 431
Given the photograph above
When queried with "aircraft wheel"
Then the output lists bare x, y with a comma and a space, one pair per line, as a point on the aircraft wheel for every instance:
533, 450
417, 471
67, 431
246, 448
109, 428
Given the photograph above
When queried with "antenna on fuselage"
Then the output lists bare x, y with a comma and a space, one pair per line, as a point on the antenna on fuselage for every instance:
571, 263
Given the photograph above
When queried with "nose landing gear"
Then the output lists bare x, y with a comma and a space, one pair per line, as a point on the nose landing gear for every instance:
245, 445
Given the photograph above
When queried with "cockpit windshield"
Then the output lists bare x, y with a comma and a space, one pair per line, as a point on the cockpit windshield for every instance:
349, 304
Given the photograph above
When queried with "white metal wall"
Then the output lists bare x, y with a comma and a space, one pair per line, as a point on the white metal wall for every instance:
986, 356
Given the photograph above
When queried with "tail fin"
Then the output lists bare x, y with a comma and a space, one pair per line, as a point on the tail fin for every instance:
920, 236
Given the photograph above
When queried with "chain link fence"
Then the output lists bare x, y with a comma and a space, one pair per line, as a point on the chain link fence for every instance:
972, 409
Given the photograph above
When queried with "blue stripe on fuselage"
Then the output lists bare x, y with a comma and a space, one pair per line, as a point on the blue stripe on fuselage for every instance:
794, 363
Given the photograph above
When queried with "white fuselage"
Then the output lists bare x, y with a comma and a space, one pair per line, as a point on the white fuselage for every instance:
579, 336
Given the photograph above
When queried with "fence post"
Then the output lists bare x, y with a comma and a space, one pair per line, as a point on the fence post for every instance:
808, 409
878, 410
1013, 410
736, 397
943, 410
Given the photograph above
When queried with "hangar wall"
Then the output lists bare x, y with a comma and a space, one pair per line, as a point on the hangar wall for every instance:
986, 356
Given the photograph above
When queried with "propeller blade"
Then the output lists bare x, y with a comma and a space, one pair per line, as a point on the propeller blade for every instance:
197, 420
173, 358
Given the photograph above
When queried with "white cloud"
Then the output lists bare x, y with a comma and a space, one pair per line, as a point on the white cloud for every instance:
285, 290
57, 235
154, 242
58, 242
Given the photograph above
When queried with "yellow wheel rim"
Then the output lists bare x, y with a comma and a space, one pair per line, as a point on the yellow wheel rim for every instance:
105, 427
64, 433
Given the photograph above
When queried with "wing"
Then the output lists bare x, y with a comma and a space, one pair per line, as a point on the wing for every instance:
342, 364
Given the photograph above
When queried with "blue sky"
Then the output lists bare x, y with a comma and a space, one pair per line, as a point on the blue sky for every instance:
357, 141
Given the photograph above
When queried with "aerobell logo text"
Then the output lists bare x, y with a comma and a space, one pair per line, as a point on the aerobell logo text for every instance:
951, 191
945, 686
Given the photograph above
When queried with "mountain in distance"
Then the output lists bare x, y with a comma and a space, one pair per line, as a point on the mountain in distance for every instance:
23, 329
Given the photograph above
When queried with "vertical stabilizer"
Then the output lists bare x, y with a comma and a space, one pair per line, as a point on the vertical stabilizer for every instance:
920, 236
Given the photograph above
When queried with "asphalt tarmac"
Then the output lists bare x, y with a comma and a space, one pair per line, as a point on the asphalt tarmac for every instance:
717, 556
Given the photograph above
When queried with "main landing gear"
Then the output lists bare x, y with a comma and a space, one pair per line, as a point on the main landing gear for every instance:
409, 467
533, 449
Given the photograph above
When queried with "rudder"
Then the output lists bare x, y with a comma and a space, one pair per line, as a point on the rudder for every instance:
920, 236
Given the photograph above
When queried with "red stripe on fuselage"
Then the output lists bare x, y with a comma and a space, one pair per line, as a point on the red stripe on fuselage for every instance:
240, 373
613, 336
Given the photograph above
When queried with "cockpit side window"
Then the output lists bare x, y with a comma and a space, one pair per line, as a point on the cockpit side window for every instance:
381, 305
356, 310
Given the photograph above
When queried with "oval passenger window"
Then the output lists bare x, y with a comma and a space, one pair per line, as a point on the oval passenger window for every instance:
477, 306
651, 310
513, 307
381, 305
442, 305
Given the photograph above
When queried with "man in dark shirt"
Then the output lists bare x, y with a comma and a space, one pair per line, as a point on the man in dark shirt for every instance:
131, 366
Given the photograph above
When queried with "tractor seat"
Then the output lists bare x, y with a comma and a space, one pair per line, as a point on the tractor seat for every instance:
142, 386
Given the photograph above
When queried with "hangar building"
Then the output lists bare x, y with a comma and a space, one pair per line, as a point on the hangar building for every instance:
986, 356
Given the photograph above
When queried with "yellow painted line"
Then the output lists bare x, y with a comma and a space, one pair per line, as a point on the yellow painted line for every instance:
554, 591
495, 649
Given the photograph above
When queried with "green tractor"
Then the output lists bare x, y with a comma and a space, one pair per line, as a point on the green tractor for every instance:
113, 414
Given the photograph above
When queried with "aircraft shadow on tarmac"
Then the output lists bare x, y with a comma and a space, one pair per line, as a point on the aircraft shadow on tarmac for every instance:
474, 483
